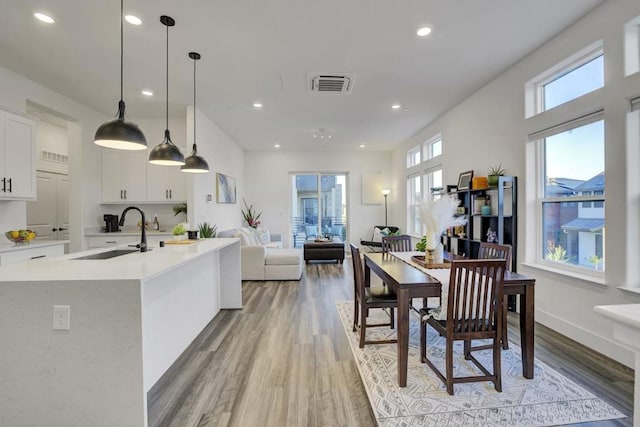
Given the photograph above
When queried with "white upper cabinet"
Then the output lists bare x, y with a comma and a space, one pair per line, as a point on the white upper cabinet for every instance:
17, 157
124, 176
166, 184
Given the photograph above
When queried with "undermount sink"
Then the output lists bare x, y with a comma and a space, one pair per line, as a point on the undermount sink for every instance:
108, 254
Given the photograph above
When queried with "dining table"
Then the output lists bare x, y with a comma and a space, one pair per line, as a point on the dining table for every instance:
409, 281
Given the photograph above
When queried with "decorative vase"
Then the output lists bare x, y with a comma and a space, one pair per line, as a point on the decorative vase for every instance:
493, 180
433, 248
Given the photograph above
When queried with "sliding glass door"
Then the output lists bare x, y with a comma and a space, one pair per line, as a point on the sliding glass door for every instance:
318, 207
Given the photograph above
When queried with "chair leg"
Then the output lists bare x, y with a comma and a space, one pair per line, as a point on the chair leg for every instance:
423, 341
505, 312
356, 306
497, 365
392, 322
467, 349
449, 366
363, 325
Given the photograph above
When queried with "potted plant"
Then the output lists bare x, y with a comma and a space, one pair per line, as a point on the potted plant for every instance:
493, 173
178, 232
250, 215
207, 231
180, 209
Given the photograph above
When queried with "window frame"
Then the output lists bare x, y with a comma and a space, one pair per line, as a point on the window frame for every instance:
540, 199
411, 155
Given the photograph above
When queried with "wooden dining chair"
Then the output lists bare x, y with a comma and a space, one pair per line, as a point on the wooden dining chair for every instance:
473, 311
496, 251
396, 243
366, 298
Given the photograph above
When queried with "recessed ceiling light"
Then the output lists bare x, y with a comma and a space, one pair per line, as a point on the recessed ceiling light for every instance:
147, 93
44, 18
424, 31
257, 105
277, 145
362, 145
396, 106
133, 20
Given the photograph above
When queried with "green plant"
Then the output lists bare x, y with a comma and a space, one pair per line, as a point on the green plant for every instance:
496, 170
207, 231
556, 253
178, 209
422, 244
179, 230
250, 215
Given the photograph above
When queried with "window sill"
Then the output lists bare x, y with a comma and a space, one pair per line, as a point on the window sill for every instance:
633, 291
596, 280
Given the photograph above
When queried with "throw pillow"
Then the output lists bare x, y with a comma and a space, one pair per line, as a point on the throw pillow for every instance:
263, 235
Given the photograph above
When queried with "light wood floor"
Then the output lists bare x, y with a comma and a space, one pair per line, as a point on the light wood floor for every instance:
284, 361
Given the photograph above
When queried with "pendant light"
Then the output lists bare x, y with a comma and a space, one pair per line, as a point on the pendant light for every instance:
118, 133
194, 163
166, 154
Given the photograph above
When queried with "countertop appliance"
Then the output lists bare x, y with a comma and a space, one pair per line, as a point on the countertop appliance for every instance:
111, 223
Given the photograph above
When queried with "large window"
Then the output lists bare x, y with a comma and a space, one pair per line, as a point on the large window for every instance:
413, 157
573, 195
414, 197
433, 148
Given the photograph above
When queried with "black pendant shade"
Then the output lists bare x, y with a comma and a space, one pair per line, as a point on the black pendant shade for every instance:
195, 163
166, 154
119, 133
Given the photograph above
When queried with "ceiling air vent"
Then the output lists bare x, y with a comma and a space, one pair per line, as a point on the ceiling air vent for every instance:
331, 83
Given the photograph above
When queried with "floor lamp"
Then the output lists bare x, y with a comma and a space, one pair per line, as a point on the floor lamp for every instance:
385, 193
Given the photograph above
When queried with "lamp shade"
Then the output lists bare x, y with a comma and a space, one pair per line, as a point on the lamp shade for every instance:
195, 164
386, 192
120, 134
166, 154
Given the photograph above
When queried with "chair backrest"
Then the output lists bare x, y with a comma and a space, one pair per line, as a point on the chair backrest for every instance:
495, 251
396, 243
391, 228
476, 290
358, 272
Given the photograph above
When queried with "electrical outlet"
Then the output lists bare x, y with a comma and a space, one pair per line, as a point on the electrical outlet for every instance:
61, 317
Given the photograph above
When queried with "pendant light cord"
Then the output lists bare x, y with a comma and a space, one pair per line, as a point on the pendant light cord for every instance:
194, 106
167, 103
121, 49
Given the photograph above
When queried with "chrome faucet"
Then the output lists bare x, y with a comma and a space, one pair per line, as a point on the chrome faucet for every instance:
143, 241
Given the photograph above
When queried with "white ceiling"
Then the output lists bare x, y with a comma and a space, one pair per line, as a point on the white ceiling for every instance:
263, 51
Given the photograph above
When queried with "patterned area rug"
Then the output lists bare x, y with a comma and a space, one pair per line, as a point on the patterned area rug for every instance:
549, 399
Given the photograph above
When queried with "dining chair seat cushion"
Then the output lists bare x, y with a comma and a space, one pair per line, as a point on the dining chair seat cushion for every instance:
379, 294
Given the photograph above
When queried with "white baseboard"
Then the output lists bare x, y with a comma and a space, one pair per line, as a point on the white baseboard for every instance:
606, 346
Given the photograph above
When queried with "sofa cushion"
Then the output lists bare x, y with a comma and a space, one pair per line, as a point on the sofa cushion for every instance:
283, 257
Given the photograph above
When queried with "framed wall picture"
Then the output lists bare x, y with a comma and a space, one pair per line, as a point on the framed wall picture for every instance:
225, 188
464, 180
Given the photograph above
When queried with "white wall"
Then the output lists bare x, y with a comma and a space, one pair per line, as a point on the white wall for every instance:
489, 128
224, 156
15, 92
268, 186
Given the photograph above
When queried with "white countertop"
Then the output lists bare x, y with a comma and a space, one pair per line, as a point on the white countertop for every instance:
7, 246
628, 314
136, 265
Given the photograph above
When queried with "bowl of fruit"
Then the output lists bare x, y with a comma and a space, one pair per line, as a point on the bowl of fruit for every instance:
20, 237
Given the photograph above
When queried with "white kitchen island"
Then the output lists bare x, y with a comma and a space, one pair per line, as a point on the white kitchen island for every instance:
131, 317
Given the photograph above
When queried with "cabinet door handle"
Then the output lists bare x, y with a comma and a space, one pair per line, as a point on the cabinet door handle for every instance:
4, 185
10, 186
121, 195
125, 194
170, 196
166, 194
61, 229
39, 256
54, 229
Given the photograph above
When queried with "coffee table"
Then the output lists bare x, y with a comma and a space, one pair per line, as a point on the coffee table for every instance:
321, 250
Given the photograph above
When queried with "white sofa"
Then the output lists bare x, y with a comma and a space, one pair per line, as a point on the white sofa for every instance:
262, 255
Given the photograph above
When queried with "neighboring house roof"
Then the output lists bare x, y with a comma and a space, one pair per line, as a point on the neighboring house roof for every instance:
585, 224
594, 184
560, 186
